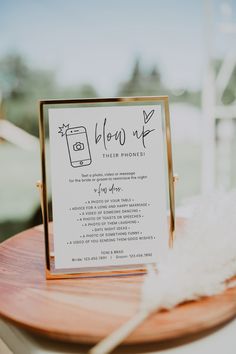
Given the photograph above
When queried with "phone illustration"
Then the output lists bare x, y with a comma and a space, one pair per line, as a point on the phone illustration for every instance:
78, 147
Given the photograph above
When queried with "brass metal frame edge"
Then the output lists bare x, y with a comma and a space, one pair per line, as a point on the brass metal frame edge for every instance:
44, 187
145, 99
103, 100
98, 274
170, 173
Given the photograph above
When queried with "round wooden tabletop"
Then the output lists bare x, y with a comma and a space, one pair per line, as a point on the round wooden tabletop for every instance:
86, 310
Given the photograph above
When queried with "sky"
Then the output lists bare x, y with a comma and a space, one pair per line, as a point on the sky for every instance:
97, 41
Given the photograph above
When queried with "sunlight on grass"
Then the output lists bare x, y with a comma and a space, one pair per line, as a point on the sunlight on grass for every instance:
20, 169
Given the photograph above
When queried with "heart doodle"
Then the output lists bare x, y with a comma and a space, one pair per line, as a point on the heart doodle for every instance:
148, 116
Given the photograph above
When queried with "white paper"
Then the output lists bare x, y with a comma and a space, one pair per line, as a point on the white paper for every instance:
108, 185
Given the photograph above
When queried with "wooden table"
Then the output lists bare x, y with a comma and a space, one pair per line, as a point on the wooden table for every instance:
86, 310
221, 341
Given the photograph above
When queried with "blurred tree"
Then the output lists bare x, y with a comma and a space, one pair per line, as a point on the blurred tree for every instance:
141, 83
150, 83
13, 75
229, 94
87, 90
23, 86
136, 74
83, 91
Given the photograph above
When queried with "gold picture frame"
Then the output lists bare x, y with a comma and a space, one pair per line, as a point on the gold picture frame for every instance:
51, 273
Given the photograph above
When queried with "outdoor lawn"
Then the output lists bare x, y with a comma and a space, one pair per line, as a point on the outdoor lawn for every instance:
20, 170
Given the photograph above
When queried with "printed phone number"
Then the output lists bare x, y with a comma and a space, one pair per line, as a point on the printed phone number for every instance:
94, 258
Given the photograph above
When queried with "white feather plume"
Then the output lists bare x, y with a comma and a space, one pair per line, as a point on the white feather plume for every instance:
202, 260
203, 257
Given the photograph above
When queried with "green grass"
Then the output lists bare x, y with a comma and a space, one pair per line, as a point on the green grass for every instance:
187, 164
19, 171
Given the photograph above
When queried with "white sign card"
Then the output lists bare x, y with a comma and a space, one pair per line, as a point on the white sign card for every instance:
109, 185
